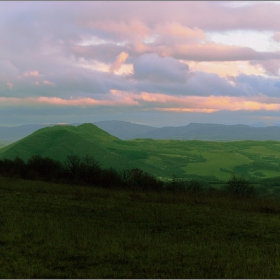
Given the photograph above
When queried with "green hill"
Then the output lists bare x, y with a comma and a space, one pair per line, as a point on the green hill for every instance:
162, 158
60, 141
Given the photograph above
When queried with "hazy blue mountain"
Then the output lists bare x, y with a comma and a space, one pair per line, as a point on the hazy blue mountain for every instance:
259, 124
11, 134
215, 132
193, 131
124, 130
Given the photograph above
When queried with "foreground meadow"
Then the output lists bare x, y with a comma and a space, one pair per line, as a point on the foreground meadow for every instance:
61, 231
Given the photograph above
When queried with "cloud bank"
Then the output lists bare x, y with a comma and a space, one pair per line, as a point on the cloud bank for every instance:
124, 59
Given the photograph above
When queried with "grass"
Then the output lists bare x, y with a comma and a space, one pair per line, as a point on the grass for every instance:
61, 231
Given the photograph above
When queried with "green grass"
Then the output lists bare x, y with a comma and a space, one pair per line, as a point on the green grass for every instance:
162, 158
61, 231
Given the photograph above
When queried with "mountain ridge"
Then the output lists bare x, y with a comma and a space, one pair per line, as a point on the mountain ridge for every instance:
193, 131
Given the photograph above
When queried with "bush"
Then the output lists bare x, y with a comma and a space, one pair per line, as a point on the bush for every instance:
238, 186
110, 178
89, 170
72, 166
194, 186
13, 168
43, 168
137, 178
176, 185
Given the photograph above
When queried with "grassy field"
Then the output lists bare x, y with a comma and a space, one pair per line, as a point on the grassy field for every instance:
61, 231
211, 161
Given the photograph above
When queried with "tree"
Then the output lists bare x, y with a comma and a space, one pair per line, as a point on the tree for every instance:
72, 166
239, 186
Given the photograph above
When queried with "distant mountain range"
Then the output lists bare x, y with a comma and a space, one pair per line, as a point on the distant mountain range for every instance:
193, 131
214, 132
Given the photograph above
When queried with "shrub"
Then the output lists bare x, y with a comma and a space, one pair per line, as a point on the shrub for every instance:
175, 185
239, 186
89, 170
72, 166
43, 168
137, 178
13, 168
194, 186
110, 178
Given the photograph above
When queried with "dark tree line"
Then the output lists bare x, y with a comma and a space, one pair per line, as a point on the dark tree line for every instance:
76, 170
87, 171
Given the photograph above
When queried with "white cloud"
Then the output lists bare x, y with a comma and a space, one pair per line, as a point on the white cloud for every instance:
257, 40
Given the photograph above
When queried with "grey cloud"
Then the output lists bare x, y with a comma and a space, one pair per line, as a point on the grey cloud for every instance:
271, 66
103, 52
159, 69
8, 68
197, 83
254, 85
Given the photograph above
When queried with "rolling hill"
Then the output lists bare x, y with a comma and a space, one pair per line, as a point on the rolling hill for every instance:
163, 158
60, 141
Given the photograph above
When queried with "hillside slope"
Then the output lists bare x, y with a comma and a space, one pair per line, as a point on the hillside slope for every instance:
60, 141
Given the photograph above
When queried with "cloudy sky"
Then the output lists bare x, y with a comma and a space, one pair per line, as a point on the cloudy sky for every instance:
154, 63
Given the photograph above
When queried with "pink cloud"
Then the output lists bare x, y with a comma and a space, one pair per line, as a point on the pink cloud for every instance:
10, 85
121, 58
182, 110
210, 103
46, 82
57, 101
271, 66
31, 74
210, 15
177, 31
276, 36
130, 29
211, 52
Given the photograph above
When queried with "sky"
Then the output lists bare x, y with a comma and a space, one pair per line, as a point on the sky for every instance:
157, 63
